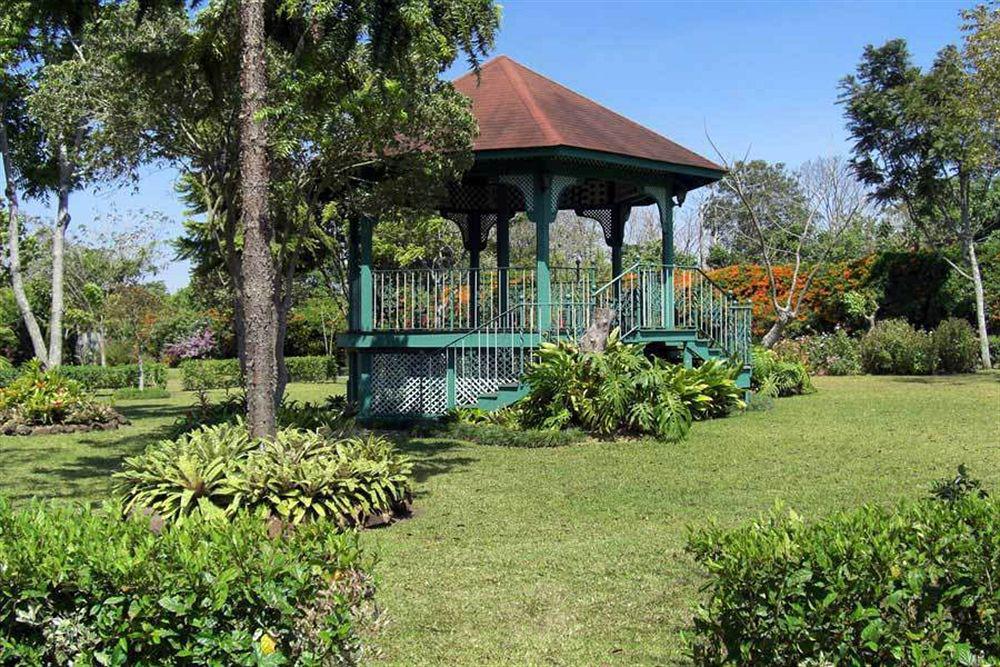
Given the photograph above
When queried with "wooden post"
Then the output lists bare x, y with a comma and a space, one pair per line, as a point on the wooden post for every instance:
542, 215
475, 235
361, 310
503, 257
366, 288
667, 259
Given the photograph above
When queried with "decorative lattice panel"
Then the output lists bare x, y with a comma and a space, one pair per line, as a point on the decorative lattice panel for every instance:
409, 383
558, 186
488, 197
522, 185
479, 372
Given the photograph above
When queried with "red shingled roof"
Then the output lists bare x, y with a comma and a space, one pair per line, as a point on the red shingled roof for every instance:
519, 108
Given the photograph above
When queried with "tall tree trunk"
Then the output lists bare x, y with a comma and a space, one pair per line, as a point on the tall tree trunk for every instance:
969, 246
14, 250
102, 344
58, 255
258, 270
142, 372
977, 287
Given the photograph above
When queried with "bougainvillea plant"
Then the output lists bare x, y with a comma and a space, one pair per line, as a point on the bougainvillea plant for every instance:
198, 345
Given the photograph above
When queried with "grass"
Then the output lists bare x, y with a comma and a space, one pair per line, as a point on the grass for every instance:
574, 555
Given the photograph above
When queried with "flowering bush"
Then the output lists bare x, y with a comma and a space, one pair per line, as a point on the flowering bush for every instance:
824, 354
198, 345
822, 305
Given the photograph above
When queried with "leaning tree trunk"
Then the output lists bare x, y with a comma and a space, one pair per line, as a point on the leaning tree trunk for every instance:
258, 270
58, 255
777, 329
977, 287
14, 250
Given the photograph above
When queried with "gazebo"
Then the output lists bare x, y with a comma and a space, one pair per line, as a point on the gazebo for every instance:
423, 341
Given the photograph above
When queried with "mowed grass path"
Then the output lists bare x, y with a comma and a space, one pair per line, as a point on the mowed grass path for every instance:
574, 556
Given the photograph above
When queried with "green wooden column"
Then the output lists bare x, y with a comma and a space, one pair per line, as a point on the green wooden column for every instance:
363, 297
474, 240
542, 215
617, 238
503, 257
667, 258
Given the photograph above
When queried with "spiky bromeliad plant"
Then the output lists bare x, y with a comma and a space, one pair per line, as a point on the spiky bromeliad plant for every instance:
297, 477
622, 390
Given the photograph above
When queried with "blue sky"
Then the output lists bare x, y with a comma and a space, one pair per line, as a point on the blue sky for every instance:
761, 75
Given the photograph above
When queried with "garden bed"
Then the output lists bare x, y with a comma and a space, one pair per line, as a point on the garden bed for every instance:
13, 428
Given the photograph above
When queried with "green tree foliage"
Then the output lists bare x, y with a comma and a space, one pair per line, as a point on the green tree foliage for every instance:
131, 313
359, 121
922, 140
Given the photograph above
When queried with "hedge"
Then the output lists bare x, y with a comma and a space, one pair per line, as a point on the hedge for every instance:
225, 373
103, 377
915, 584
81, 586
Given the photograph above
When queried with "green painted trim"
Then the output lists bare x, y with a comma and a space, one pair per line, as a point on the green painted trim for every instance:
615, 159
394, 340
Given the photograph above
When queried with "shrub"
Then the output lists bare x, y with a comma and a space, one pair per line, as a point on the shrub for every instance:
93, 377
893, 347
333, 414
876, 586
956, 346
994, 349
133, 393
83, 587
44, 398
496, 435
311, 369
774, 377
621, 390
202, 374
823, 354
299, 476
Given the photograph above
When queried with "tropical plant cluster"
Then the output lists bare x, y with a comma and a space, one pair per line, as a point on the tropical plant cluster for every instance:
621, 390
775, 377
84, 587
297, 477
92, 376
894, 347
203, 374
911, 584
46, 401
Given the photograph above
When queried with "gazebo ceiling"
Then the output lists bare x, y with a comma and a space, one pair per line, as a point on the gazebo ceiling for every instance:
519, 110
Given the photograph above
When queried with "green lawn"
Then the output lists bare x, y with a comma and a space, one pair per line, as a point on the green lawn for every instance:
574, 555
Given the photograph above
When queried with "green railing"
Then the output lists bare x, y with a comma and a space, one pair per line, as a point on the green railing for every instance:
462, 299
487, 302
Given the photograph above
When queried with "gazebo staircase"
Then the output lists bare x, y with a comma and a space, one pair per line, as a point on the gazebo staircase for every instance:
705, 323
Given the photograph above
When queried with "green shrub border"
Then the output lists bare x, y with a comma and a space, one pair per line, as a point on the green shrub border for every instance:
198, 374
93, 377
